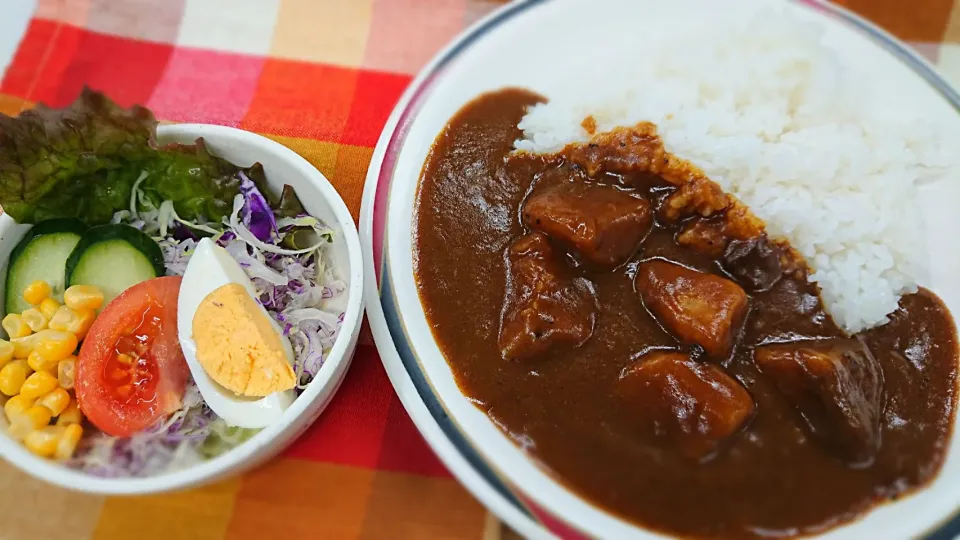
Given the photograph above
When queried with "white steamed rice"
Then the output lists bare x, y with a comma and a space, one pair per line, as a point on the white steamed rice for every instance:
769, 113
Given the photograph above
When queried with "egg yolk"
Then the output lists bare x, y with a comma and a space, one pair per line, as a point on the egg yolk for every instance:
238, 346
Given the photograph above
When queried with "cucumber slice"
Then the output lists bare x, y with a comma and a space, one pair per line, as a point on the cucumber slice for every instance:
114, 258
42, 254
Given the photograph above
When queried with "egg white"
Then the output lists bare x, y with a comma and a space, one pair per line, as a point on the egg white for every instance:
210, 267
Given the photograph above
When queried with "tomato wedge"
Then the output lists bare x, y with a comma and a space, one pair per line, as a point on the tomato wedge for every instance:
131, 371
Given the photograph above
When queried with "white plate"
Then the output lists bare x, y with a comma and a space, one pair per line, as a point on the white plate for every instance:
529, 44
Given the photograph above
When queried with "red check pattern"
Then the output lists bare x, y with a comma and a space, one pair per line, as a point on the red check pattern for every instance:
321, 77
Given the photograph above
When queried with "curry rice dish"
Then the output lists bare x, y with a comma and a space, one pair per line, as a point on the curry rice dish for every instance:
660, 352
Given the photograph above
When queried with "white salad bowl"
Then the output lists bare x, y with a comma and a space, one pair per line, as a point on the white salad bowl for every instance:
321, 200
525, 44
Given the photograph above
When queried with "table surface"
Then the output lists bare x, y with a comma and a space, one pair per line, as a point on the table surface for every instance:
321, 77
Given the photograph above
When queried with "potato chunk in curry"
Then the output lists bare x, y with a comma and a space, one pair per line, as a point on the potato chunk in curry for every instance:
693, 405
837, 386
601, 224
544, 304
698, 308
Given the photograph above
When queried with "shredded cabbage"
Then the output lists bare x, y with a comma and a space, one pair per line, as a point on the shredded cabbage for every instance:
241, 230
255, 212
293, 285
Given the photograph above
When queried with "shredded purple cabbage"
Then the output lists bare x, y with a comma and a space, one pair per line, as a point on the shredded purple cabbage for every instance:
225, 238
174, 441
256, 214
182, 232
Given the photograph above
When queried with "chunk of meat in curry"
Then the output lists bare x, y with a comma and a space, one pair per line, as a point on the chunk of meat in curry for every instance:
544, 305
837, 387
699, 308
754, 263
601, 224
689, 404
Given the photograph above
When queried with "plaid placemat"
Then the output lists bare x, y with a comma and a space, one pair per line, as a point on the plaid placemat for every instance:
321, 77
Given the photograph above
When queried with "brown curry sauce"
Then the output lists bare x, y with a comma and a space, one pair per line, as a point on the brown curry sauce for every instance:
774, 477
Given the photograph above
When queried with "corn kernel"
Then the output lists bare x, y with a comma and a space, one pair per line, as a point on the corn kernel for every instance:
49, 307
56, 400
83, 297
34, 319
70, 415
36, 292
55, 345
68, 441
38, 384
61, 319
75, 321
44, 442
22, 347
39, 363
81, 322
6, 352
14, 326
16, 405
29, 420
12, 377
66, 372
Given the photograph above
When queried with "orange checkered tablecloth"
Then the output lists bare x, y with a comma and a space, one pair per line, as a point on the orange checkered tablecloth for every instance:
320, 76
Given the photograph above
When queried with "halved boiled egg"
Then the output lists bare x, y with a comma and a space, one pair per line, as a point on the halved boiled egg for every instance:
238, 356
